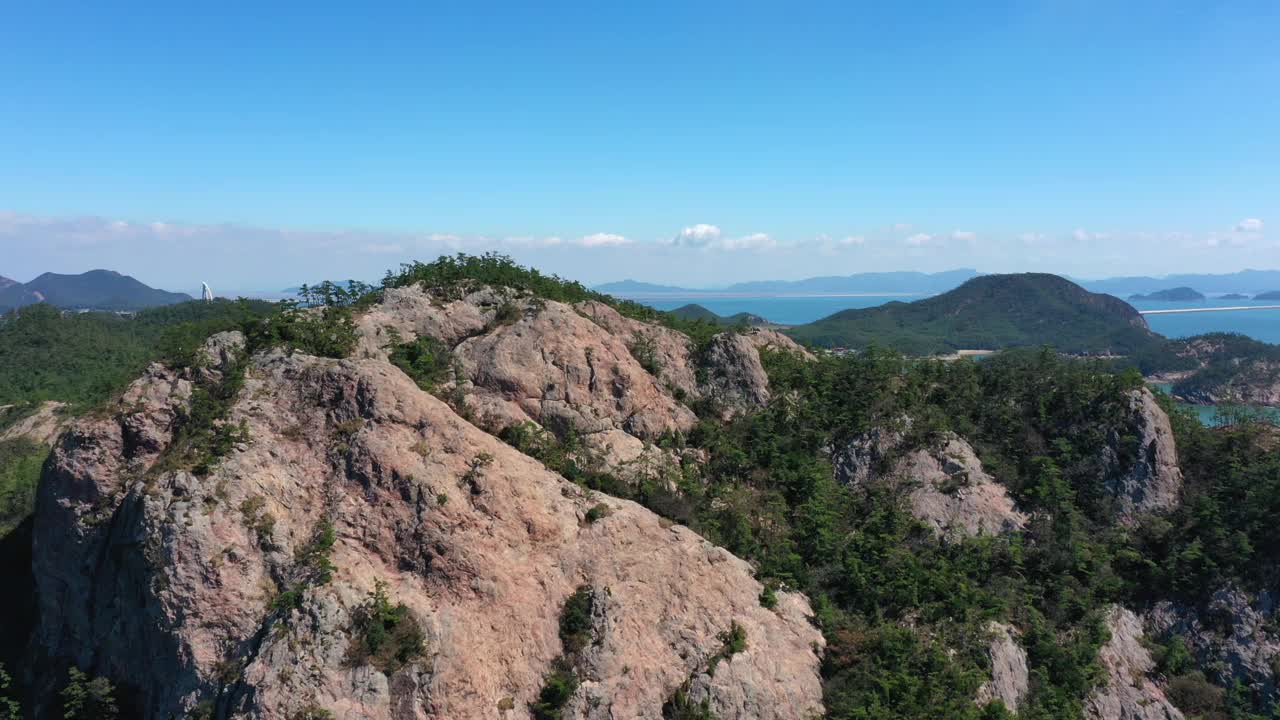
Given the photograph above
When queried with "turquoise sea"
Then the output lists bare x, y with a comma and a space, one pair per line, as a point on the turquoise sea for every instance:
1261, 325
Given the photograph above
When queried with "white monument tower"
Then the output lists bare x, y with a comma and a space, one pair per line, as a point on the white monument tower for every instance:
206, 293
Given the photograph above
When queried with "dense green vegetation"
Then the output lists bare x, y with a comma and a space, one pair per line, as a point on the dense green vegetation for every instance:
1039, 421
576, 634
991, 312
384, 634
88, 698
20, 464
85, 358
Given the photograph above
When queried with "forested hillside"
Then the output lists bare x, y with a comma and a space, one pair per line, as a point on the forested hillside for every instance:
992, 311
82, 358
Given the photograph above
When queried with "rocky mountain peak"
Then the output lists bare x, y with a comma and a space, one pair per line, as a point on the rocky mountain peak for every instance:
232, 567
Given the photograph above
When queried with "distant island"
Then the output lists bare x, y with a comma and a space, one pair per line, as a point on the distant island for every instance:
1233, 296
1272, 295
1244, 281
905, 283
991, 312
93, 290
695, 312
1178, 294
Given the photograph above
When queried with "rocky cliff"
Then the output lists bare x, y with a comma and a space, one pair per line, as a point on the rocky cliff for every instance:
242, 585
618, 383
1130, 693
1149, 479
944, 483
1010, 678
1233, 636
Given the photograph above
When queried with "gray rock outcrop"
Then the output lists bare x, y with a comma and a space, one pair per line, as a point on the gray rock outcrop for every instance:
1233, 637
735, 379
945, 484
1129, 693
1009, 677
1152, 480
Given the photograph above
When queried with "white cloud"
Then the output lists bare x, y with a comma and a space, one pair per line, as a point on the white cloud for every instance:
1251, 225
919, 240
754, 241
382, 248
700, 235
603, 240
828, 245
531, 241
1082, 235
964, 235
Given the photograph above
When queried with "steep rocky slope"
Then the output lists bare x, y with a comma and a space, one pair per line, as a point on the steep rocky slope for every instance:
1234, 637
1010, 678
202, 589
617, 382
1130, 693
41, 426
1150, 480
944, 484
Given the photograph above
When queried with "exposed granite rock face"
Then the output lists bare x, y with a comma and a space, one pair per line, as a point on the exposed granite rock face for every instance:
165, 581
1233, 638
954, 495
735, 379
1009, 677
222, 349
864, 458
672, 351
945, 484
411, 312
555, 366
42, 426
1130, 693
1153, 481
619, 383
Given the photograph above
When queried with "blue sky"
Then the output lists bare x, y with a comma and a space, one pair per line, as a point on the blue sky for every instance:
693, 143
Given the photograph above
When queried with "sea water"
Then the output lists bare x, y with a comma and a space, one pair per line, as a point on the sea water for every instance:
1261, 325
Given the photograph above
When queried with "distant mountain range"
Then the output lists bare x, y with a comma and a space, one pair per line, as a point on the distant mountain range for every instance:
872, 283
93, 290
1178, 294
1245, 281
